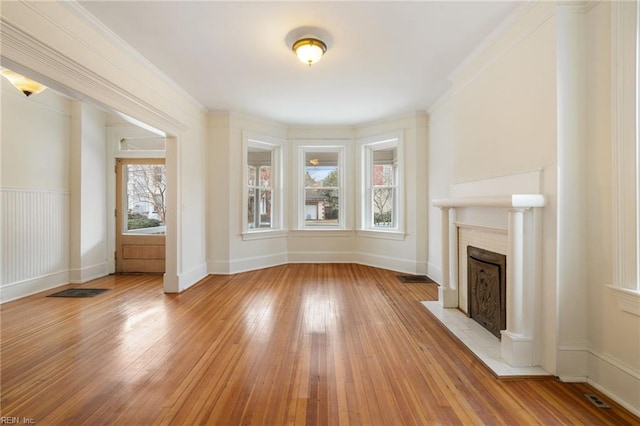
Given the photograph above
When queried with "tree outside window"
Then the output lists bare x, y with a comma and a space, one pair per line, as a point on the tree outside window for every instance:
380, 184
259, 188
384, 188
146, 195
262, 186
260, 194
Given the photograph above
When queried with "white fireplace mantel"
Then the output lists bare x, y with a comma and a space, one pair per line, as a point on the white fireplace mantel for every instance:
505, 201
517, 342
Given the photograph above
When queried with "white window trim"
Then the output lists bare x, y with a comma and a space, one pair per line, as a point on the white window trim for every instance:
117, 134
626, 184
277, 147
263, 234
385, 235
393, 139
322, 145
323, 232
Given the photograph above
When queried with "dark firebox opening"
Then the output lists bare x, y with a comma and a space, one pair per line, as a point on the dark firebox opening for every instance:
486, 282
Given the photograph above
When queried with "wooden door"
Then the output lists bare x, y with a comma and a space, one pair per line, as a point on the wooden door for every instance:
140, 215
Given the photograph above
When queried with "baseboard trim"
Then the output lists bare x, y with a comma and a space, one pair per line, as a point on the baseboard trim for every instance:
392, 263
322, 257
571, 361
260, 262
616, 398
616, 380
187, 279
434, 272
573, 379
20, 289
246, 264
78, 276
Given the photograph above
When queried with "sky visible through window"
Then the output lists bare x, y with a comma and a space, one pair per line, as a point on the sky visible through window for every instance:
318, 173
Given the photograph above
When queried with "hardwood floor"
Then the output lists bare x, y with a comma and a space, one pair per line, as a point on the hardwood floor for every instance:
314, 344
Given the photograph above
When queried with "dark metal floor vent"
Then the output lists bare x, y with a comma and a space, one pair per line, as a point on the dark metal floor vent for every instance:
596, 400
414, 279
79, 292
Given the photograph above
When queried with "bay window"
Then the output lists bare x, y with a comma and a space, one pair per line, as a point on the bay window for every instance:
262, 182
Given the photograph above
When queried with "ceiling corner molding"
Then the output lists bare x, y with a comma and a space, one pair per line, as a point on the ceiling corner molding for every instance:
519, 13
490, 39
590, 4
442, 100
83, 15
21, 48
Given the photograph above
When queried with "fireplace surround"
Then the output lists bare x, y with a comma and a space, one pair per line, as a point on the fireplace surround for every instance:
518, 345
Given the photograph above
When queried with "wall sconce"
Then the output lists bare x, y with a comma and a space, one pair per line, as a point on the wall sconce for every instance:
309, 50
22, 83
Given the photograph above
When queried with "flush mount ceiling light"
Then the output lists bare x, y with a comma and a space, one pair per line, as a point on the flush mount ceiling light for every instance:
22, 83
309, 50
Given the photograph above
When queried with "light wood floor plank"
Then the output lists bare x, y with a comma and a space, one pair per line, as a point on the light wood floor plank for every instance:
301, 344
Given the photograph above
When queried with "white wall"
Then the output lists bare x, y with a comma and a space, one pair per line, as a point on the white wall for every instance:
35, 140
441, 142
614, 353
218, 193
191, 203
34, 146
537, 96
88, 170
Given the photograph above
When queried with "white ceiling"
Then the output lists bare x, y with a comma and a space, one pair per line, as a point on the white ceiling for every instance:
384, 58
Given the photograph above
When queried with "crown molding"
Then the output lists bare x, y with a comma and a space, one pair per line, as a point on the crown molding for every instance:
490, 41
21, 50
87, 18
521, 10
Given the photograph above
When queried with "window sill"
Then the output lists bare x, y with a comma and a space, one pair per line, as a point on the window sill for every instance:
322, 233
628, 300
385, 235
264, 234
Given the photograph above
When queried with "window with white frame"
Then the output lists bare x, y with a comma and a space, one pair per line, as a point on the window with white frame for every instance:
262, 181
259, 185
381, 206
626, 158
321, 200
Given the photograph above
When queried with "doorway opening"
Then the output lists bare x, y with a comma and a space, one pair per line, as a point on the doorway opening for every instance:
140, 215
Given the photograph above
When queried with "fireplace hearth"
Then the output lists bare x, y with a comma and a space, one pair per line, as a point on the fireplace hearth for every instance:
486, 282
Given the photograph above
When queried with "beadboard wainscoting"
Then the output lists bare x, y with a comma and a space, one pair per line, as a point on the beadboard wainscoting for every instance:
35, 241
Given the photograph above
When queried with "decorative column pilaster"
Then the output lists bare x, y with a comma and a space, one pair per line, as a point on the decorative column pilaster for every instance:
517, 342
448, 290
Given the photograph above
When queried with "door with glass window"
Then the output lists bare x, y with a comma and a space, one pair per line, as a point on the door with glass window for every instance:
140, 215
